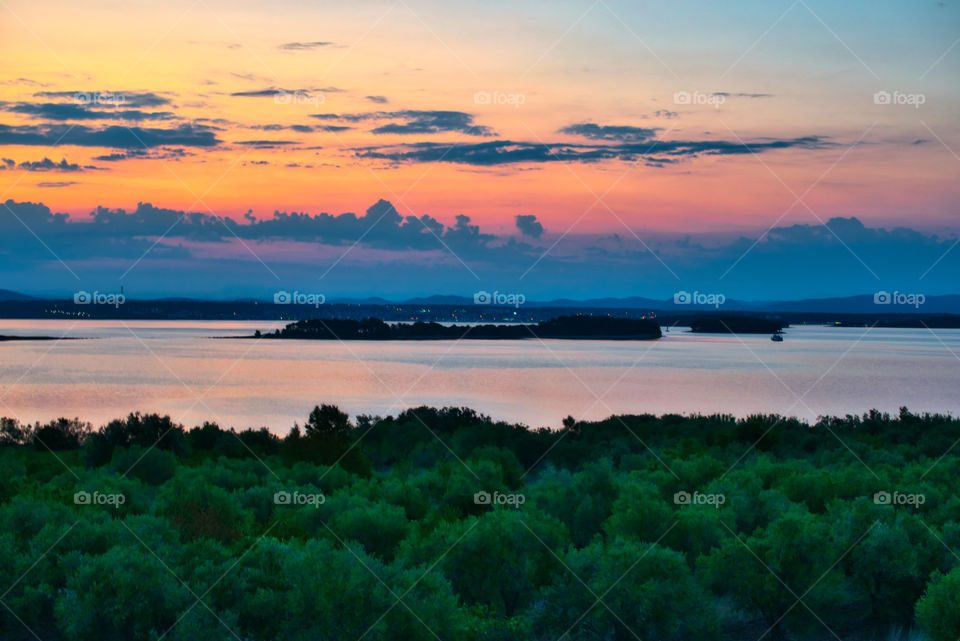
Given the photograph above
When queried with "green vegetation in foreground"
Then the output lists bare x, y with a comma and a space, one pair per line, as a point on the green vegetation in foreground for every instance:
580, 326
444, 524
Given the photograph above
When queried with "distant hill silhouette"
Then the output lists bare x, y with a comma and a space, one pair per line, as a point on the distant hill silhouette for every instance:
860, 304
6, 294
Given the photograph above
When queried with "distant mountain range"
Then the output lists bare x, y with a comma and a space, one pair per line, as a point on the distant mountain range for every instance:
892, 303
6, 294
862, 304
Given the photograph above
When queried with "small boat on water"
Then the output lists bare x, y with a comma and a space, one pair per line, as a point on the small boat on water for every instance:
777, 338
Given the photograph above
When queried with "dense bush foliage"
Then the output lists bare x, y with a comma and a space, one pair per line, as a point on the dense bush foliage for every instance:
444, 524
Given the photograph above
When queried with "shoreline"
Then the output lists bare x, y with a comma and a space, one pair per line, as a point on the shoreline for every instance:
871, 414
4, 339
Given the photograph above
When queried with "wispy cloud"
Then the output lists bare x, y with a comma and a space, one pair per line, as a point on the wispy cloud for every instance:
272, 92
304, 46
47, 165
623, 133
109, 99
54, 184
415, 121
265, 144
67, 111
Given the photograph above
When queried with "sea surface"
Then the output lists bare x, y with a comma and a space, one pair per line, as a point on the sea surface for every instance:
187, 370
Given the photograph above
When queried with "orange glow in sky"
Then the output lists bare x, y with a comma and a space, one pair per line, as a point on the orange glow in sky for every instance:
521, 77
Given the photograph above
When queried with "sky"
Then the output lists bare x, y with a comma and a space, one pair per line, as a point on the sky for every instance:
765, 150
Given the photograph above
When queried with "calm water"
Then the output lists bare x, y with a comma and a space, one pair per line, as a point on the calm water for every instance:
178, 368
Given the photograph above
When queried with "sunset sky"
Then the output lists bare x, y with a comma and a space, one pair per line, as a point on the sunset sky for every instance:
668, 137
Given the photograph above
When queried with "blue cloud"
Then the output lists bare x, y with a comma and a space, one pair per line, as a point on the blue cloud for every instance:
505, 152
116, 137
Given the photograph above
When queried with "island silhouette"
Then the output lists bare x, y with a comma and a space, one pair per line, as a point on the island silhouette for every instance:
577, 327
573, 327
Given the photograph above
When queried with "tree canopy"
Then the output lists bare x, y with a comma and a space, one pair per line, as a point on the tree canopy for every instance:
442, 523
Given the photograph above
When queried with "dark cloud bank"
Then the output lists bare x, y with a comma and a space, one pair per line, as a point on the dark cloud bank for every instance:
502, 152
113, 136
383, 252
121, 121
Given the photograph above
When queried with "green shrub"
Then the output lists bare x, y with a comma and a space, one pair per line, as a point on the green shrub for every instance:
938, 612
